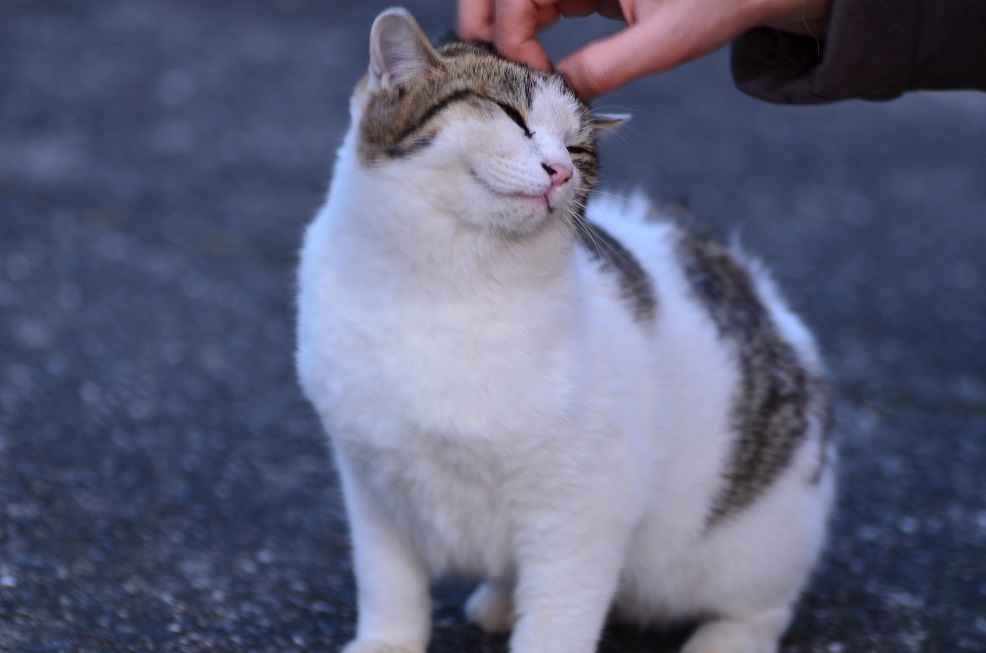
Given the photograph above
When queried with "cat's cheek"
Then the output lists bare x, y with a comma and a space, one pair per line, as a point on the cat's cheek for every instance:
474, 205
489, 211
478, 205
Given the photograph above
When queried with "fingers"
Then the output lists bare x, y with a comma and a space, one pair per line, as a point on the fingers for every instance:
661, 34
665, 35
516, 26
609, 63
475, 20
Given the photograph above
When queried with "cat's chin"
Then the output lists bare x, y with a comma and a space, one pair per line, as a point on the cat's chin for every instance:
535, 203
523, 221
520, 214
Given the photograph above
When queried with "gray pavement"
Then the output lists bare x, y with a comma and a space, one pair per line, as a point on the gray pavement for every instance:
164, 487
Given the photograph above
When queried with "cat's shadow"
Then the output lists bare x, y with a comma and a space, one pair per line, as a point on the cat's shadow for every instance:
623, 638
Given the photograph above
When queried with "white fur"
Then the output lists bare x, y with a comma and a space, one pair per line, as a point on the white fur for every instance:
495, 410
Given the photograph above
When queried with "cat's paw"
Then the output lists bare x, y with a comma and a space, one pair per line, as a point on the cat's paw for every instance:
491, 608
368, 646
729, 637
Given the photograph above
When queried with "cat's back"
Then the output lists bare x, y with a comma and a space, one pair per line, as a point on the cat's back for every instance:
744, 445
739, 371
687, 281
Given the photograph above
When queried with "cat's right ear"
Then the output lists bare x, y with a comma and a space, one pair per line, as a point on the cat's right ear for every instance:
607, 123
399, 51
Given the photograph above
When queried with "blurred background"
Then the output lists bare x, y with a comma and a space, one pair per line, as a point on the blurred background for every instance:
163, 485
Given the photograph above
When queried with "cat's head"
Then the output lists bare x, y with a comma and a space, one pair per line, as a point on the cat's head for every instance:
495, 143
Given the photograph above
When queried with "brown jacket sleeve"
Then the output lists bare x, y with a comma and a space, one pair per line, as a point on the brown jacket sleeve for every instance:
873, 50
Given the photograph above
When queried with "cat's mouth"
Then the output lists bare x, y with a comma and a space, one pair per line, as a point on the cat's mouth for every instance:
537, 200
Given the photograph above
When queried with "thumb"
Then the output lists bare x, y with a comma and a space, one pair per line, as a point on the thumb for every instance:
609, 63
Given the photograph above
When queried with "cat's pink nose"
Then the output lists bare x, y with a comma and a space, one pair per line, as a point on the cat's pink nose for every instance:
559, 172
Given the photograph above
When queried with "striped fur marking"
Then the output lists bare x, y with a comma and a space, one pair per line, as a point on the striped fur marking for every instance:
777, 398
394, 127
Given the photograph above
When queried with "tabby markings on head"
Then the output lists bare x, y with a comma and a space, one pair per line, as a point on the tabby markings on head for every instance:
466, 72
777, 397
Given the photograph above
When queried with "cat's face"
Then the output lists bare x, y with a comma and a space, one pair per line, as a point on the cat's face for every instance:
498, 145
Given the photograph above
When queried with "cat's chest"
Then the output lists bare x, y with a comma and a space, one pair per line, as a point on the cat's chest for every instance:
451, 369
450, 498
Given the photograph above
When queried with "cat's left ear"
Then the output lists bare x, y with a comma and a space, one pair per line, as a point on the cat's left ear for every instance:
399, 51
607, 123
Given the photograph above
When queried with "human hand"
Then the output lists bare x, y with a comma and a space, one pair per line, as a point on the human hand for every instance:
660, 34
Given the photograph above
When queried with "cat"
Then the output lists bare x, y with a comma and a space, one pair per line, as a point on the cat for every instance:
591, 417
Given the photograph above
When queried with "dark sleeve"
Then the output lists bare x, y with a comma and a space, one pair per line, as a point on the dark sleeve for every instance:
873, 50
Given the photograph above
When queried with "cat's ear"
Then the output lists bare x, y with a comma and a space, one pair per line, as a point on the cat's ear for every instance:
607, 123
399, 51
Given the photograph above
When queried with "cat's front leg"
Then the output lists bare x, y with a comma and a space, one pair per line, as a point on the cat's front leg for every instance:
392, 582
757, 632
564, 592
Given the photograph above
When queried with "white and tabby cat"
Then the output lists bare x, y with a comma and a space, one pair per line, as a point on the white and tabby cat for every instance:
589, 417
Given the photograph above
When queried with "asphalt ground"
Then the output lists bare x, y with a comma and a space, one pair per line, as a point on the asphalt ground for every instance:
164, 486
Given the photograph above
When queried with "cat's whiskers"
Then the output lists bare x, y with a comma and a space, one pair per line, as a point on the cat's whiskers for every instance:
626, 127
572, 216
578, 236
623, 198
583, 225
598, 244
630, 144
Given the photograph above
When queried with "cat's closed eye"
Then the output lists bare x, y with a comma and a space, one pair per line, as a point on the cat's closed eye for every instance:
576, 149
514, 115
